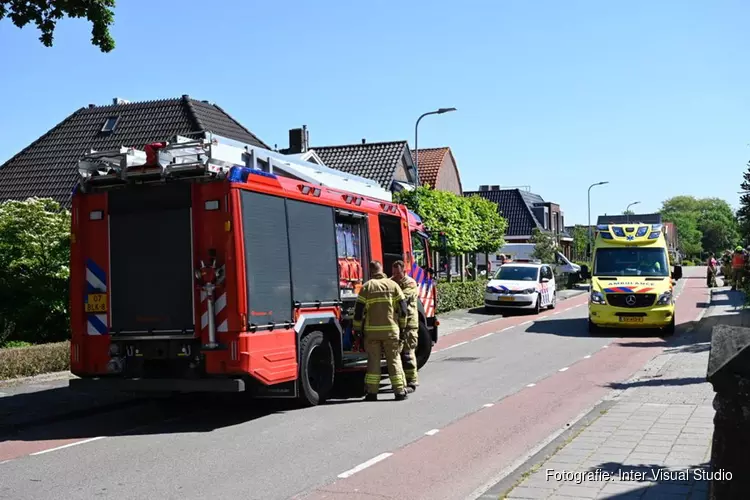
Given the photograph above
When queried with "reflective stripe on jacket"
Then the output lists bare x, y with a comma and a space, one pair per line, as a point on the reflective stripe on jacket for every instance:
411, 292
383, 305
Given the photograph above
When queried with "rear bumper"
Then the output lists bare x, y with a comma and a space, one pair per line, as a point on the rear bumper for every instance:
156, 385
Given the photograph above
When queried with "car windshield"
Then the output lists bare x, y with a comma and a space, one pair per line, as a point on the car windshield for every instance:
517, 273
631, 262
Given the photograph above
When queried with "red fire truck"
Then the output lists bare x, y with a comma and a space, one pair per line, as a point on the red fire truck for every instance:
202, 264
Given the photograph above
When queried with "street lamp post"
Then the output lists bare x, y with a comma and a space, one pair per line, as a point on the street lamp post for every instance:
627, 210
416, 138
591, 237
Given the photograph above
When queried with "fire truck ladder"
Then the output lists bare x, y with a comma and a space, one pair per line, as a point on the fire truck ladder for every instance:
211, 156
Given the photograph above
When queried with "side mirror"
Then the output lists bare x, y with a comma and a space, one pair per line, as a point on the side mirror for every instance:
677, 273
585, 272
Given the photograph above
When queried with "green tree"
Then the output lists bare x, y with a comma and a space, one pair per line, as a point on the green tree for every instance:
703, 224
628, 212
34, 257
45, 14
545, 246
743, 214
580, 241
490, 225
444, 212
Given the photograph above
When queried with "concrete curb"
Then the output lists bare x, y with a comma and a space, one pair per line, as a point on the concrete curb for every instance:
41, 378
510, 480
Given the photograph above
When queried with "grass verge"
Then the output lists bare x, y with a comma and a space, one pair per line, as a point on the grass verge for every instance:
18, 362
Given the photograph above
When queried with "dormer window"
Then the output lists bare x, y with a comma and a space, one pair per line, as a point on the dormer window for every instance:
109, 124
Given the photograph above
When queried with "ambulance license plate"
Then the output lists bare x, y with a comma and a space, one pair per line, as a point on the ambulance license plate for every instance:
96, 303
505, 298
631, 319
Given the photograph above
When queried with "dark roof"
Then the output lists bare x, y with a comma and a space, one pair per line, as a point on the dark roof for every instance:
623, 219
376, 160
47, 167
513, 204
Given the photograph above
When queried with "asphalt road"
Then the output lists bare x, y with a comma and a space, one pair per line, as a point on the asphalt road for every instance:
473, 414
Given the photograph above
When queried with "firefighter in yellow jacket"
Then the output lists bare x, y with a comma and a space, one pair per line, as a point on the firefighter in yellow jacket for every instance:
411, 337
383, 306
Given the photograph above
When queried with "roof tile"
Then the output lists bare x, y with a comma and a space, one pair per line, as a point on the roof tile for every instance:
429, 161
47, 167
376, 160
513, 204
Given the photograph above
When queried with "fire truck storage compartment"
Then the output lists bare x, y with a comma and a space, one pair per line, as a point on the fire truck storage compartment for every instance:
151, 259
391, 241
290, 256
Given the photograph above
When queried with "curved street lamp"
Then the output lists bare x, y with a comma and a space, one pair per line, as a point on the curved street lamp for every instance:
416, 138
627, 210
591, 237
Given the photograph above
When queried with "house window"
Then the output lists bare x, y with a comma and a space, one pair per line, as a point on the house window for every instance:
109, 124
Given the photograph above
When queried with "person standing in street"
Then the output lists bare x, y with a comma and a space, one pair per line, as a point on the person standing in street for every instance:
711, 271
411, 334
382, 305
738, 267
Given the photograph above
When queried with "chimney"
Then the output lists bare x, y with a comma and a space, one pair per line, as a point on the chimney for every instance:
91, 106
495, 188
484, 187
298, 138
117, 101
363, 140
305, 138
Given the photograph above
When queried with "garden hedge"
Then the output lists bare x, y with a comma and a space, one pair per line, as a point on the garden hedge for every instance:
34, 360
460, 295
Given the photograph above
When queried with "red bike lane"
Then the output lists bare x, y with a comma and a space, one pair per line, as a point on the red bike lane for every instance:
456, 461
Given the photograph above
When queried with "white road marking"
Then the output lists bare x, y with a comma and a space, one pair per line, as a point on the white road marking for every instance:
563, 369
531, 385
506, 329
484, 336
587, 356
432, 432
2, 394
68, 445
6, 461
605, 347
556, 313
364, 465
489, 405
526, 323
454, 345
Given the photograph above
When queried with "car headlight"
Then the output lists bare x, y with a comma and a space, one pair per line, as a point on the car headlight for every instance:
530, 290
597, 298
664, 299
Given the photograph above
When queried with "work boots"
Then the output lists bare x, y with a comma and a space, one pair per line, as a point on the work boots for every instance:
411, 388
400, 396
371, 397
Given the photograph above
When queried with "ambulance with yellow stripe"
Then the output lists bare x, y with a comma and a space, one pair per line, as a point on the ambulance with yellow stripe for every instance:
632, 285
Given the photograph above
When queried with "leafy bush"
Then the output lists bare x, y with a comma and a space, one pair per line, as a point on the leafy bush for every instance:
34, 256
460, 295
688, 262
34, 360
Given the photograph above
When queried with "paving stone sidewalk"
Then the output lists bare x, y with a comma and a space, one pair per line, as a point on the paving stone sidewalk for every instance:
661, 423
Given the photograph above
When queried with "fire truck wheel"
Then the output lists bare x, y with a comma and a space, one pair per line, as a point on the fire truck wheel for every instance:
424, 346
316, 368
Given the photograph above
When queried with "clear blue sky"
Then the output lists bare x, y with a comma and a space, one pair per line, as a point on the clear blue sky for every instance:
650, 95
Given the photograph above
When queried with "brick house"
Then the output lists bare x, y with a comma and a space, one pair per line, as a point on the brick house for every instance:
526, 211
47, 167
439, 170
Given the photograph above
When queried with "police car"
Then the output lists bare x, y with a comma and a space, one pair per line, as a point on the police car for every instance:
521, 286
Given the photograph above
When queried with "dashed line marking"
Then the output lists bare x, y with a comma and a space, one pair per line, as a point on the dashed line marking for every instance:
506, 329
563, 369
454, 345
587, 356
68, 445
526, 323
531, 385
556, 313
489, 405
432, 432
485, 336
6, 461
605, 347
364, 465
